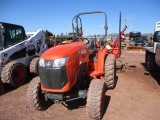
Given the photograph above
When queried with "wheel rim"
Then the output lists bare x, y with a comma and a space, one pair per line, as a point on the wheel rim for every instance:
18, 74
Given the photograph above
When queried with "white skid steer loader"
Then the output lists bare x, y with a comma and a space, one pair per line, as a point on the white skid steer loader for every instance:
19, 52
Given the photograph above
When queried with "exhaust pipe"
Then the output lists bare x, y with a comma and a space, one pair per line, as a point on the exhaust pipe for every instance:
120, 38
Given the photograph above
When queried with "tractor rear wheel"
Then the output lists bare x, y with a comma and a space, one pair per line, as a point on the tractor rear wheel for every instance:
33, 68
110, 71
96, 99
14, 73
135, 34
35, 96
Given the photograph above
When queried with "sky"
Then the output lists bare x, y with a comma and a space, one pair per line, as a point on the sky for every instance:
56, 15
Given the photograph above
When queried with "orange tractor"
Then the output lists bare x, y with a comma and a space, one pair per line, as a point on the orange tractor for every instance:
85, 68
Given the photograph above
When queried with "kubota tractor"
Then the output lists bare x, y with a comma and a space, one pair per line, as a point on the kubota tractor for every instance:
64, 71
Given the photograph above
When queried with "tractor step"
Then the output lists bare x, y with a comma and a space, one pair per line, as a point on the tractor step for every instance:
95, 73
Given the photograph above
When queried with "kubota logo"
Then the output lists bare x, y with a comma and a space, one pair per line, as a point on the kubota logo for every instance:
48, 64
83, 51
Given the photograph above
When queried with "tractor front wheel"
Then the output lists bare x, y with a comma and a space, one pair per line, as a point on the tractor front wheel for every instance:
35, 96
110, 71
14, 73
96, 99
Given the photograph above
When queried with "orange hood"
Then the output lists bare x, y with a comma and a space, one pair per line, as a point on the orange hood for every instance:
63, 50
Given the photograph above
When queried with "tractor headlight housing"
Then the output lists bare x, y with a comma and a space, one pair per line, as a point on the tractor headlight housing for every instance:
53, 63
41, 62
60, 62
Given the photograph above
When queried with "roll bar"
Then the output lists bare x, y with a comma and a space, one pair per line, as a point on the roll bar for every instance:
93, 12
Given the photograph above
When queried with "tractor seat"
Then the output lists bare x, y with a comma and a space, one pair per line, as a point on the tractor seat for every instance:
92, 45
156, 37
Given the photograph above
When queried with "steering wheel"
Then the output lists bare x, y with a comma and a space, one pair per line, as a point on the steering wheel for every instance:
86, 41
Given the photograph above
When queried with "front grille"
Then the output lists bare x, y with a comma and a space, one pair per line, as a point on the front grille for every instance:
53, 78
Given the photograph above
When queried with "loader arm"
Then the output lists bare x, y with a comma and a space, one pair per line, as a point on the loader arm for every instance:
37, 42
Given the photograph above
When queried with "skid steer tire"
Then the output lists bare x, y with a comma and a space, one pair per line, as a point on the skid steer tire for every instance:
151, 64
33, 68
14, 73
35, 96
110, 71
96, 99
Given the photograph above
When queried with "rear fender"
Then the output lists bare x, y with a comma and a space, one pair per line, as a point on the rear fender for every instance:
100, 60
116, 53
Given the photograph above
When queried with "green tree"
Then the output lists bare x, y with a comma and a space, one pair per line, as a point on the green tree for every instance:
62, 34
48, 33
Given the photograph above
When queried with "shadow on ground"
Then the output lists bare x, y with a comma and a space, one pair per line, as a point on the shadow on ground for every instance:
155, 75
107, 100
116, 80
81, 103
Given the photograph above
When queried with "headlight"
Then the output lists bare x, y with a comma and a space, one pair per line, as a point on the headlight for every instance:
53, 63
60, 62
41, 62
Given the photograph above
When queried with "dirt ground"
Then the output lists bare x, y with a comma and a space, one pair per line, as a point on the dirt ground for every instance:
135, 97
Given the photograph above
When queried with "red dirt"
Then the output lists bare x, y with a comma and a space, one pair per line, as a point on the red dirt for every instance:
136, 97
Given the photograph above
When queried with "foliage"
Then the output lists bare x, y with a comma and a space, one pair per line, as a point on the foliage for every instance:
62, 34
48, 33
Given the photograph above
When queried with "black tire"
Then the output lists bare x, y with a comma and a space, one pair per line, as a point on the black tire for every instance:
156, 36
134, 34
151, 64
14, 73
35, 96
96, 99
110, 71
146, 56
33, 68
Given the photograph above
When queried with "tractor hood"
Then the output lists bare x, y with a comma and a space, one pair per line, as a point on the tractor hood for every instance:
59, 66
61, 51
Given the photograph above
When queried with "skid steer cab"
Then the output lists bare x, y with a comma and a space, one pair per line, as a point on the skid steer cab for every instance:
82, 69
17, 53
